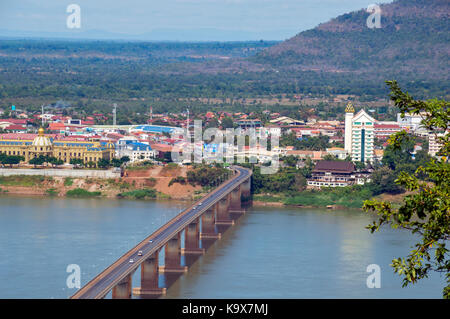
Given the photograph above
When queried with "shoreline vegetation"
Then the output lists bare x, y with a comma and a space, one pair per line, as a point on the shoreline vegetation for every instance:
152, 182
316, 200
89, 188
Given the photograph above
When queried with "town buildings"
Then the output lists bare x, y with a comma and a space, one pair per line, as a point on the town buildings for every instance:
135, 150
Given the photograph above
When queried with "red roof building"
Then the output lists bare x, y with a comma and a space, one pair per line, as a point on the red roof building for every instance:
16, 128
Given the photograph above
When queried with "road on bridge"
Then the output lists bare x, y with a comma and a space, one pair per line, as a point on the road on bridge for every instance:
114, 274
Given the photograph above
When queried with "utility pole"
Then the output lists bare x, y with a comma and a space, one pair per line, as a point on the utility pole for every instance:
187, 120
115, 114
187, 125
42, 114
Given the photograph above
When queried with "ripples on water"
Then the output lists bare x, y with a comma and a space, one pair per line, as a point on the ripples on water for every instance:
271, 253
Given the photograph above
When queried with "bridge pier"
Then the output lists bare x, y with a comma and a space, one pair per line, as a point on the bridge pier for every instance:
172, 260
223, 215
123, 289
192, 240
209, 224
235, 210
150, 278
235, 199
246, 192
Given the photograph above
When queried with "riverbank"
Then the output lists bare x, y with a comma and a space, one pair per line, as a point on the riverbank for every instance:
155, 183
151, 183
257, 203
323, 199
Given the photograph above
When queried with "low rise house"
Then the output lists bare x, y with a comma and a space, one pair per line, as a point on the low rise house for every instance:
338, 152
384, 131
335, 174
16, 128
304, 154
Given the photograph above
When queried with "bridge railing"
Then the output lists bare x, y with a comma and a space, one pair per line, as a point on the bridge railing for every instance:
127, 255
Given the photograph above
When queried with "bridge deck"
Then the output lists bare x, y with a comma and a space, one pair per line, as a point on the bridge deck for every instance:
115, 273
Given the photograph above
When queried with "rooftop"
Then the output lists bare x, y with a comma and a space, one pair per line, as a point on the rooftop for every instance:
334, 167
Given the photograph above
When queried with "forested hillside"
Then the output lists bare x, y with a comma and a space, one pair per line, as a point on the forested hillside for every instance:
342, 56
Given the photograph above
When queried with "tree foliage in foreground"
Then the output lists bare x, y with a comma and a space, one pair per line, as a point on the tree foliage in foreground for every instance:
426, 211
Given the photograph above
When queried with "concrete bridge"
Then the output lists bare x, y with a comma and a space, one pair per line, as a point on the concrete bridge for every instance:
202, 223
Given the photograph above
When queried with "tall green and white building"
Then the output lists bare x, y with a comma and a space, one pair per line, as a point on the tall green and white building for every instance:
359, 135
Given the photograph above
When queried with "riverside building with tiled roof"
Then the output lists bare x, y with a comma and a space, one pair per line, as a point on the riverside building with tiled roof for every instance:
335, 174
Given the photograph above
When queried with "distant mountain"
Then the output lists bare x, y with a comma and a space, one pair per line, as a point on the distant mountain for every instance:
342, 56
414, 38
345, 56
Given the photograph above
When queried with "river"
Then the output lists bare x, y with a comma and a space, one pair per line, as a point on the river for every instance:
270, 253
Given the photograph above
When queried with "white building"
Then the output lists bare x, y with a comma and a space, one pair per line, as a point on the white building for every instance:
136, 151
359, 135
433, 143
411, 122
337, 152
269, 130
383, 130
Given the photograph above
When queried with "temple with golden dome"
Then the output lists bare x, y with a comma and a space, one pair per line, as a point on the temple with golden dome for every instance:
30, 146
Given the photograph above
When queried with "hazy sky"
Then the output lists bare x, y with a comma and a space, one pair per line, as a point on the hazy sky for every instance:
277, 19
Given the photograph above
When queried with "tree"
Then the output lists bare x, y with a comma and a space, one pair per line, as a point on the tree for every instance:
125, 159
77, 162
383, 181
52, 160
308, 168
360, 165
331, 157
116, 162
227, 122
37, 160
290, 160
11, 159
91, 164
55, 161
103, 163
400, 154
427, 210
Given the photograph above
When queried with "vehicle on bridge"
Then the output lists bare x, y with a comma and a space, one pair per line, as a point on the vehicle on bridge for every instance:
118, 277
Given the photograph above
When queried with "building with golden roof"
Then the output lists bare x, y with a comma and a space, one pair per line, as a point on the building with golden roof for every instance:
30, 146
